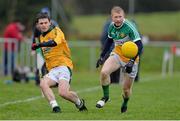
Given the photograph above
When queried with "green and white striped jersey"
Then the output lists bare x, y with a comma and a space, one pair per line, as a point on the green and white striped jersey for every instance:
126, 32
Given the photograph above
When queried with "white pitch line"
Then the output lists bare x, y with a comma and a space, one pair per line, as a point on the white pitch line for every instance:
78, 91
39, 97
20, 101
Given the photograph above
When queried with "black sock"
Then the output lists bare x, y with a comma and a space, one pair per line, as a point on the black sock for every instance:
125, 101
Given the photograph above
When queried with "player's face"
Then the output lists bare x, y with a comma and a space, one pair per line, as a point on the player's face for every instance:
44, 24
117, 18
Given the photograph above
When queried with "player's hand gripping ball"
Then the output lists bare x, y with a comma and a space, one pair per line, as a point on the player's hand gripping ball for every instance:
129, 49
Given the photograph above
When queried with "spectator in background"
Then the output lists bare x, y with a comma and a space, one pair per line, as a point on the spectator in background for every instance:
104, 36
40, 64
12, 36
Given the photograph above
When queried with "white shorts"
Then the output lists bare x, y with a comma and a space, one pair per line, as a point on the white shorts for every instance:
122, 64
59, 73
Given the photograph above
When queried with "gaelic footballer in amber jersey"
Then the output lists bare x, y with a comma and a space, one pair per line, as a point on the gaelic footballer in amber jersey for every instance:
59, 55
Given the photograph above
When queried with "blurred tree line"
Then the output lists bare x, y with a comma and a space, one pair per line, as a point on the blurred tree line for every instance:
25, 10
104, 6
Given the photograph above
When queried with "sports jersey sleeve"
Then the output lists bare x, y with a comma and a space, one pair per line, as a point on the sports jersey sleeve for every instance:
50, 43
135, 37
134, 34
107, 47
109, 30
140, 46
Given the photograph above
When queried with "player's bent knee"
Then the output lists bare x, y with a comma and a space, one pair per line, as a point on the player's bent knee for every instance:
63, 93
104, 74
126, 91
43, 84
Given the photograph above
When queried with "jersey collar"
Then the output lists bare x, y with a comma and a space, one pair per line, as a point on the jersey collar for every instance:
50, 28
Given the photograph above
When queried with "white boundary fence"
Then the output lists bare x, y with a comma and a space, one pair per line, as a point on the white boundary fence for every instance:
24, 57
10, 41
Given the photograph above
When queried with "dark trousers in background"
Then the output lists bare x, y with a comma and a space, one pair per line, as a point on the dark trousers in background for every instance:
6, 61
115, 76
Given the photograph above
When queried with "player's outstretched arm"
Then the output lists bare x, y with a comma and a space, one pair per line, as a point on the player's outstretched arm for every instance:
50, 43
106, 49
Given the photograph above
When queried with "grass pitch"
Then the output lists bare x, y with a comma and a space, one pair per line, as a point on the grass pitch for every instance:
153, 98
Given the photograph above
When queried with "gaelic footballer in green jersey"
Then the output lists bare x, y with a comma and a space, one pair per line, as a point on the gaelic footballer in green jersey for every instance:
120, 31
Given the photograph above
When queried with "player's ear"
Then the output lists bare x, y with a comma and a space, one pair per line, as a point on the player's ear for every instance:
50, 22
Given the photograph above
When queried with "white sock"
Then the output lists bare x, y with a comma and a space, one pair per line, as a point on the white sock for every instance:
78, 102
53, 103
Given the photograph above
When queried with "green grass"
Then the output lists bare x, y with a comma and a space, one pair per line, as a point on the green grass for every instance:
153, 98
151, 59
155, 60
89, 25
156, 24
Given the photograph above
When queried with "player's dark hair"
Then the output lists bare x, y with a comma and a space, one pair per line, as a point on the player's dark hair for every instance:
41, 16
